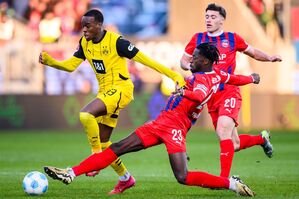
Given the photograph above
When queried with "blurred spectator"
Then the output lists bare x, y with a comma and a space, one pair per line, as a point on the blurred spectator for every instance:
142, 18
259, 9
34, 20
278, 17
66, 13
6, 22
20, 8
81, 6
50, 28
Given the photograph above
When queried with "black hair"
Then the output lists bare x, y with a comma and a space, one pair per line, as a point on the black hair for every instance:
98, 16
218, 8
209, 51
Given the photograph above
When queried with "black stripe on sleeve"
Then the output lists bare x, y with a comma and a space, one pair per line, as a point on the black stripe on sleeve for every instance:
79, 53
125, 48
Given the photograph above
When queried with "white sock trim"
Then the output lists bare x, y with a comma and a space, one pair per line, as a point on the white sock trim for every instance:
71, 172
232, 184
125, 177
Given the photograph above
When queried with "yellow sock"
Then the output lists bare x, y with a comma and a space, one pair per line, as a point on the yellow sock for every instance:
117, 164
92, 130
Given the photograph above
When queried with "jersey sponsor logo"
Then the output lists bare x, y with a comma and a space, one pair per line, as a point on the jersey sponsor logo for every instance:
224, 43
131, 47
222, 57
99, 66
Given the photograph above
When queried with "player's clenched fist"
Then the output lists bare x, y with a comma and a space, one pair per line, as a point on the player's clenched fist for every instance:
256, 78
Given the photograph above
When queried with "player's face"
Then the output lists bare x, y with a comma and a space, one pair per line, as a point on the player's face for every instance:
197, 62
91, 28
214, 21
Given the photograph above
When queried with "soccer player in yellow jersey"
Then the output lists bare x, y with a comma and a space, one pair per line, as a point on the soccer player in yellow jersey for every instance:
107, 52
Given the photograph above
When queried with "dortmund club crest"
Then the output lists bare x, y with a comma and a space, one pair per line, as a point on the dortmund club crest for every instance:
105, 50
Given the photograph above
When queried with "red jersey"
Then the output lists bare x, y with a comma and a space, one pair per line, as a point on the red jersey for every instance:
184, 110
228, 43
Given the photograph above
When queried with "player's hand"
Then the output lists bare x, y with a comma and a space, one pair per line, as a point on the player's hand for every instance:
256, 78
275, 58
40, 60
179, 91
186, 66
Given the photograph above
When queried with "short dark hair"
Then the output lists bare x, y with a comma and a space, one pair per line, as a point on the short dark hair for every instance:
98, 16
209, 51
218, 8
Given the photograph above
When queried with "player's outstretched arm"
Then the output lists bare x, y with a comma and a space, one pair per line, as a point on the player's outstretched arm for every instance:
68, 65
237, 80
147, 61
262, 56
240, 80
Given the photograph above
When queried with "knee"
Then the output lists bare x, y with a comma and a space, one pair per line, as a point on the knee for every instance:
116, 148
224, 131
181, 178
236, 144
85, 117
105, 145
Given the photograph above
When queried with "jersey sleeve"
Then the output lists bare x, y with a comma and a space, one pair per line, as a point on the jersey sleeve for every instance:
125, 48
241, 44
199, 92
191, 45
79, 53
237, 80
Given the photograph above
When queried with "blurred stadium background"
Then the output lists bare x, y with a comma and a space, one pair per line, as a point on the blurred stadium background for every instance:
36, 97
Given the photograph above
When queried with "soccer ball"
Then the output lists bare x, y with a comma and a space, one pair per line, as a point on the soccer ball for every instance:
35, 183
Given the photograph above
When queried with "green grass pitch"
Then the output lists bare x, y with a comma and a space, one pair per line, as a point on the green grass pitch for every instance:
22, 152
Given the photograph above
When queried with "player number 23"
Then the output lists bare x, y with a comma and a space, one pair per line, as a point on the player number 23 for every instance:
177, 135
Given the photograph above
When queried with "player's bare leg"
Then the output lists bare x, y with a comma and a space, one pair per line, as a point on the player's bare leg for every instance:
236, 139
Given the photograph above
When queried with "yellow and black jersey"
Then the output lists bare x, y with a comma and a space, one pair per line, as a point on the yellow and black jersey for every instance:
108, 59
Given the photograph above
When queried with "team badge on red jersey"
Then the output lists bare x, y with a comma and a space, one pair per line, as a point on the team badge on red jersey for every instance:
224, 43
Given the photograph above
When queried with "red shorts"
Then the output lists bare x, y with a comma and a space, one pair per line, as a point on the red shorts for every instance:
226, 103
157, 132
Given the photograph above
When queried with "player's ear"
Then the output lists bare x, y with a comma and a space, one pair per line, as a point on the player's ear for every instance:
206, 61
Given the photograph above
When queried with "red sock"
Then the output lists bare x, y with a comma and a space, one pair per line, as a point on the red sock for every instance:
95, 162
226, 157
250, 140
202, 179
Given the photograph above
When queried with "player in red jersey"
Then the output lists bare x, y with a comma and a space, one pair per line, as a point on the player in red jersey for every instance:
171, 127
225, 105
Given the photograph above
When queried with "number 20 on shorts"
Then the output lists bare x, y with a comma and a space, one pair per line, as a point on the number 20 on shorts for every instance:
230, 103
